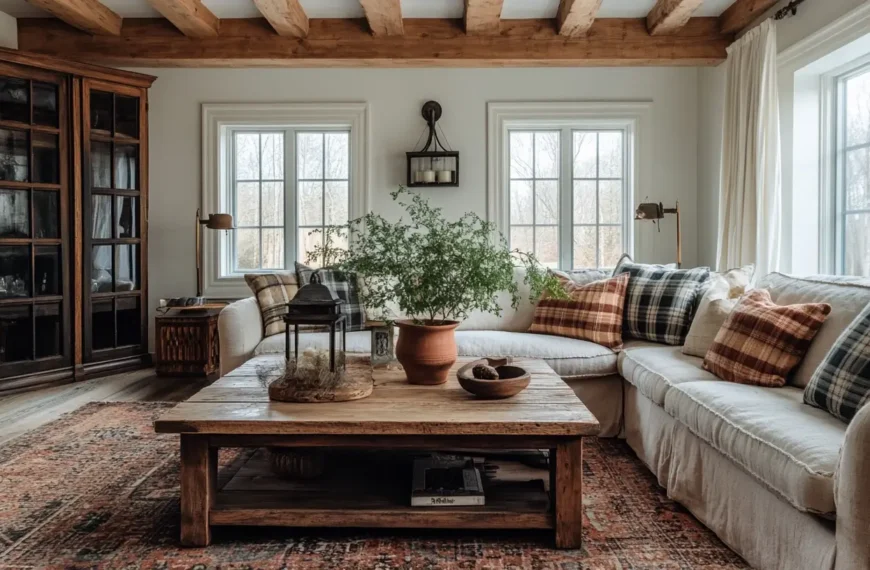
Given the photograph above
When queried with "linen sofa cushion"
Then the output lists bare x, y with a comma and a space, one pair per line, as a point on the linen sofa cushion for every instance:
273, 291
358, 341
789, 447
653, 370
660, 302
592, 312
841, 385
568, 357
342, 284
719, 297
847, 296
511, 319
761, 342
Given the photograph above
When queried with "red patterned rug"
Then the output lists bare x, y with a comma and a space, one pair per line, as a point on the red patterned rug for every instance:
98, 489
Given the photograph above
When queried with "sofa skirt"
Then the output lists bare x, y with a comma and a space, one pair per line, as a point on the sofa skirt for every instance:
603, 397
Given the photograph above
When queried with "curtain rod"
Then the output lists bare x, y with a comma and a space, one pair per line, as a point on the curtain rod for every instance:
788, 10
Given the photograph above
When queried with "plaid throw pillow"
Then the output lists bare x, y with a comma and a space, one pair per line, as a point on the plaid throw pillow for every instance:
344, 285
593, 313
841, 384
761, 342
273, 292
660, 302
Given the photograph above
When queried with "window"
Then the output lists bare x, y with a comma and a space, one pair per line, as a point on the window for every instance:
283, 171
852, 188
563, 177
315, 195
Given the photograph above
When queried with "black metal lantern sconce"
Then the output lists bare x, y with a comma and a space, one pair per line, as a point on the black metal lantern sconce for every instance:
430, 166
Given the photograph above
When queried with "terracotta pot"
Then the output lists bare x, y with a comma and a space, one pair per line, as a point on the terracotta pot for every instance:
426, 352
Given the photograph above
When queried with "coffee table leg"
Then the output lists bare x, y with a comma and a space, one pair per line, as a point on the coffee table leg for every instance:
569, 494
198, 488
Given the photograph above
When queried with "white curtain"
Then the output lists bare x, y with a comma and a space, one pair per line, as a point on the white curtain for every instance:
750, 197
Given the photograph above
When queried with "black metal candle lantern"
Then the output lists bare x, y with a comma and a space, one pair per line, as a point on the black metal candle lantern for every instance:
315, 304
431, 166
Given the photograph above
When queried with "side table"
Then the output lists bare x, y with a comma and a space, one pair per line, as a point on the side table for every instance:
187, 343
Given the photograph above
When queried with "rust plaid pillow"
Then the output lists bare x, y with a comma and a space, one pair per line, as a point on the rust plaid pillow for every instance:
761, 342
593, 312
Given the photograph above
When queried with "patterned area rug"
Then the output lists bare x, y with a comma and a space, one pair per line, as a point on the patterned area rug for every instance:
98, 489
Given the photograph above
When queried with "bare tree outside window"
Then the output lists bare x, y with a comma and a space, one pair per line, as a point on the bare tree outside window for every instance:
598, 198
853, 188
259, 200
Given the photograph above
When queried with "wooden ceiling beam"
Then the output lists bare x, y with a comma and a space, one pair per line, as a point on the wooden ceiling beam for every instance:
483, 16
384, 17
575, 17
668, 16
286, 16
87, 15
742, 13
190, 16
348, 43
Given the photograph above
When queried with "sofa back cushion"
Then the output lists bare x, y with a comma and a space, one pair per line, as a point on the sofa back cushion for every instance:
847, 297
511, 319
273, 291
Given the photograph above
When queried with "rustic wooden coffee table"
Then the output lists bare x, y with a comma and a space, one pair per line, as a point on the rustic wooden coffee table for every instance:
235, 411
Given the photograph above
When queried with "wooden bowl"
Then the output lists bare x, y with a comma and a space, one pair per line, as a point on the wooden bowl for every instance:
511, 381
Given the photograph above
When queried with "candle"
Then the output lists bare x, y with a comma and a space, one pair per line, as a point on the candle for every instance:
445, 176
428, 176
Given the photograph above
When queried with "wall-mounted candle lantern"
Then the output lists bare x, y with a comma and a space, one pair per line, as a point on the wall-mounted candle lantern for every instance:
434, 165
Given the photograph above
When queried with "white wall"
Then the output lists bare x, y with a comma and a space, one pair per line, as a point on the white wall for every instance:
811, 17
8, 31
395, 97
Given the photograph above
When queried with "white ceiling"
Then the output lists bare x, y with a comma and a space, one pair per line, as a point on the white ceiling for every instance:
513, 9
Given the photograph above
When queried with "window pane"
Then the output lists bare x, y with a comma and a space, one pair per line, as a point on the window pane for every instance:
336, 204
129, 321
272, 147
273, 249
15, 334
126, 216
522, 163
522, 238
48, 268
547, 155
856, 245
14, 214
610, 155
858, 109
102, 272
546, 202
14, 100
273, 204
547, 245
127, 267
14, 271
44, 103
101, 111
247, 204
521, 202
247, 249
48, 330
45, 158
101, 165
585, 153
310, 203
584, 247
102, 324
247, 156
127, 116
46, 214
126, 167
609, 201
308, 240
14, 153
309, 156
858, 179
337, 156
102, 216
584, 201
610, 245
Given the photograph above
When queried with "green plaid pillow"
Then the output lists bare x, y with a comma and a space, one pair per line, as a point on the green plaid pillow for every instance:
344, 285
841, 384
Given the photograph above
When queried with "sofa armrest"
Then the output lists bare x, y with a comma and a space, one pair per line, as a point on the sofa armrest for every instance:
853, 496
240, 327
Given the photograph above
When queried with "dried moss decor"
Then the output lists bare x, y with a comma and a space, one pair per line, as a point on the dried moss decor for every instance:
432, 269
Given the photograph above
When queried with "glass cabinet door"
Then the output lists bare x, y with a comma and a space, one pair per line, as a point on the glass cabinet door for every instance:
34, 185
114, 314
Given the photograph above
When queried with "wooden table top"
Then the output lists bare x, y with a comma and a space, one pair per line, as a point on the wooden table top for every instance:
238, 403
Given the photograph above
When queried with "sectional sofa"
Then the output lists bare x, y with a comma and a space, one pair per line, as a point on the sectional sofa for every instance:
785, 485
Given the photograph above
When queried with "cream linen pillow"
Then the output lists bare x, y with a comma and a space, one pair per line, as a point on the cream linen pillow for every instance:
715, 306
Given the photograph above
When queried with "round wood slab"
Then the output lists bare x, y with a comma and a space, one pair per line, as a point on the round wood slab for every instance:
357, 384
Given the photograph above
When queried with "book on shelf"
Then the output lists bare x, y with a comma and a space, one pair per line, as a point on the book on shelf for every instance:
447, 481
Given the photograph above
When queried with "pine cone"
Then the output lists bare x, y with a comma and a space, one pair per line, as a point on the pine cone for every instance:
484, 372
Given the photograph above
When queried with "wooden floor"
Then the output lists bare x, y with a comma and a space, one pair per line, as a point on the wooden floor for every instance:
23, 412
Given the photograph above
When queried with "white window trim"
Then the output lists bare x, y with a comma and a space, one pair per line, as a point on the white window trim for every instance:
220, 118
633, 117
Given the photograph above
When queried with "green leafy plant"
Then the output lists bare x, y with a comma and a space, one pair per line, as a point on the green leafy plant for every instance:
431, 269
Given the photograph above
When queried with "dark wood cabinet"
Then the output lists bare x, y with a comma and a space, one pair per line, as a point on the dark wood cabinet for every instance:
187, 343
73, 220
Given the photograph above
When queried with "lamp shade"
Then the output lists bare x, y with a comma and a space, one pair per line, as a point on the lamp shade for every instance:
649, 211
219, 222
